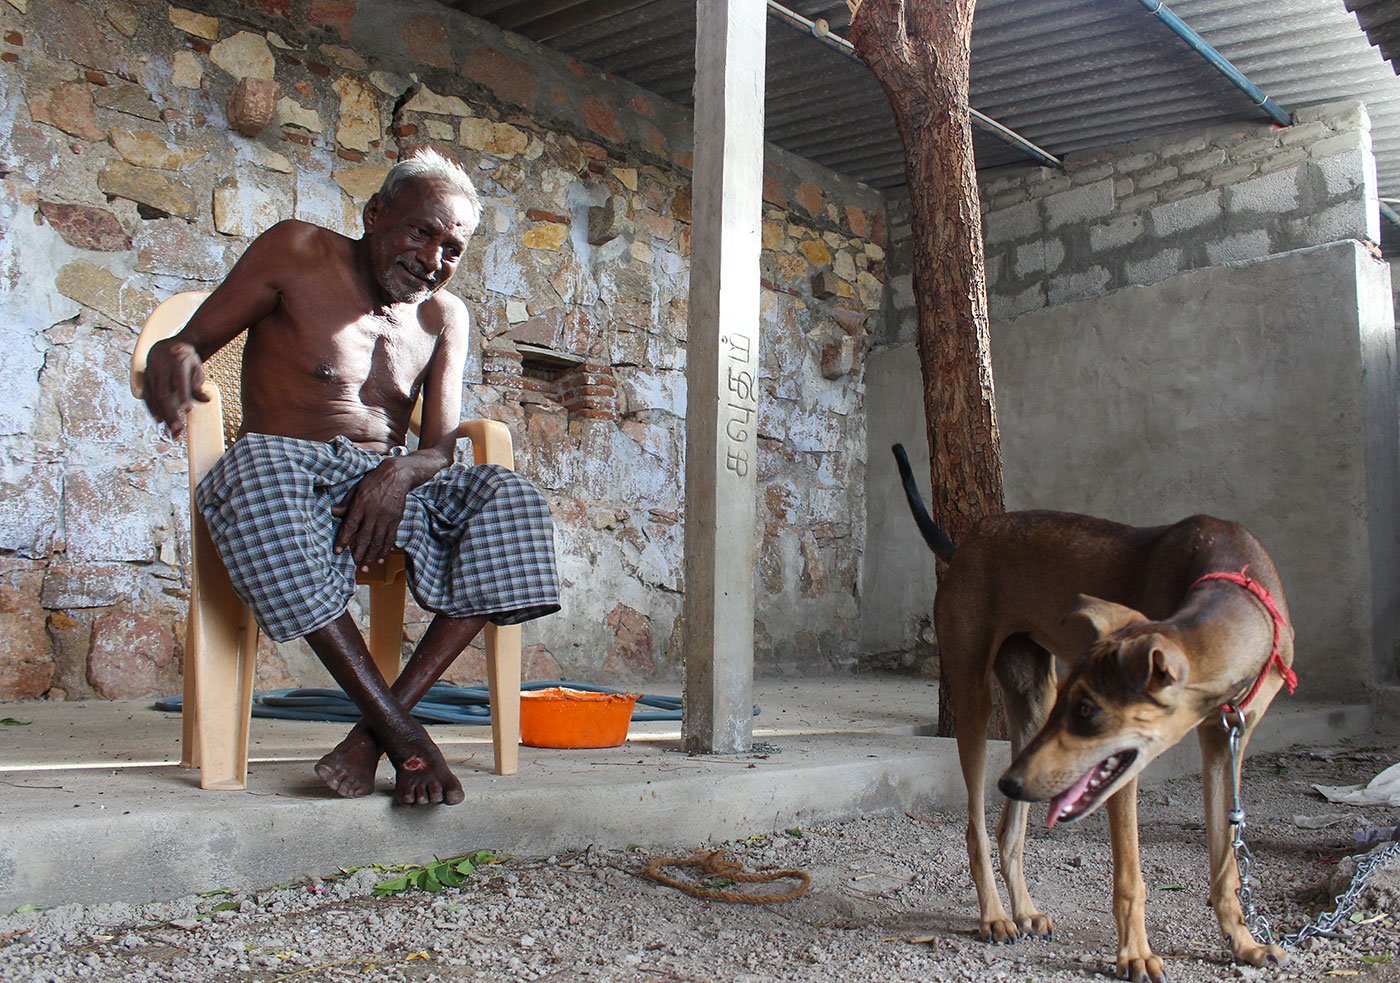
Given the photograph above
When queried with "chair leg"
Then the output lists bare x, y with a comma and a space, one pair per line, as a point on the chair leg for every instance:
189, 706
503, 684
386, 605
219, 666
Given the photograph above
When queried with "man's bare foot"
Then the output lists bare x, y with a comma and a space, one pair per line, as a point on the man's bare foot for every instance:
349, 769
424, 779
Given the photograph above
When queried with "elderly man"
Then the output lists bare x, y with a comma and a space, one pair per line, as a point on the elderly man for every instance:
343, 335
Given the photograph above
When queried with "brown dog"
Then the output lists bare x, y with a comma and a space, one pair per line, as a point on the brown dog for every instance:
1154, 651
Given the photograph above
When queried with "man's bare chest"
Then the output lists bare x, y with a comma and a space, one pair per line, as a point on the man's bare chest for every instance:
349, 351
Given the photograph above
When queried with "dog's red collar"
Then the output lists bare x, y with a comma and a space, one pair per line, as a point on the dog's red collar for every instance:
1290, 678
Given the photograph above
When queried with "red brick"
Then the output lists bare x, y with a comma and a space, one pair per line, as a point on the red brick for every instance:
603, 119
510, 80
858, 221
277, 8
14, 37
428, 40
539, 215
335, 14
681, 204
773, 192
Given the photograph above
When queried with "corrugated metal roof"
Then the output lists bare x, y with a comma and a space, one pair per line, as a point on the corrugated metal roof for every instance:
1070, 75
1381, 21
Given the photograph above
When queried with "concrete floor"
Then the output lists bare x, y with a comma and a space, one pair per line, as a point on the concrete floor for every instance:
96, 808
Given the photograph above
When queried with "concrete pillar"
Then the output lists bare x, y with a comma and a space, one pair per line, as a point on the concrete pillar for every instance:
722, 376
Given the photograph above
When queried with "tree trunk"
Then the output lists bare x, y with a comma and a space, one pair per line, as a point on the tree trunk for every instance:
920, 55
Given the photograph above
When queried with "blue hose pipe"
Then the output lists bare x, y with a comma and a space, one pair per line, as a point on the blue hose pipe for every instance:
1202, 47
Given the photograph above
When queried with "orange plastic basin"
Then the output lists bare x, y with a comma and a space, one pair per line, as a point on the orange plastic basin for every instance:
562, 717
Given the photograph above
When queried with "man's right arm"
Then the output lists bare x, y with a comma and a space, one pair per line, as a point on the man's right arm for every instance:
251, 291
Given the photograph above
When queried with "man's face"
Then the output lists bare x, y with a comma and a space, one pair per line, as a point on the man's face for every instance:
416, 239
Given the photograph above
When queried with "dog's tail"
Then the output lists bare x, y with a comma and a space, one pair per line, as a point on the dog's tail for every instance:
937, 541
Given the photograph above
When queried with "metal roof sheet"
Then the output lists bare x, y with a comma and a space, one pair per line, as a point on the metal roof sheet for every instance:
1070, 75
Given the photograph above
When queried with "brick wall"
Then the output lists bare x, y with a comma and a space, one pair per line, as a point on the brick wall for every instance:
124, 182
1141, 212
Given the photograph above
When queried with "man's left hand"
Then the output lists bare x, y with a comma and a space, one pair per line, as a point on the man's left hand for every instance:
370, 514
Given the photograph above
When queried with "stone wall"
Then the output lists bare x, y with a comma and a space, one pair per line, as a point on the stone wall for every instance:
1141, 212
124, 183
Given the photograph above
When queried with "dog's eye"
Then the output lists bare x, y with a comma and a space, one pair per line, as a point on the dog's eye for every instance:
1086, 709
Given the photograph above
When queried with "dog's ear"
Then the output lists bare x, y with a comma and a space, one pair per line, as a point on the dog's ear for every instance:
1104, 617
1152, 663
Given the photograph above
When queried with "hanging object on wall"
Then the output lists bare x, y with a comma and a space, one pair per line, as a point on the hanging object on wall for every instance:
252, 105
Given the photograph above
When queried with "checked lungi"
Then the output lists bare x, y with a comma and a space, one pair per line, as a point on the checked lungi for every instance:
478, 540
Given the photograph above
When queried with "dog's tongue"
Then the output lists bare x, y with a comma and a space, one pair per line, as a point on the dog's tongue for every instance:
1070, 794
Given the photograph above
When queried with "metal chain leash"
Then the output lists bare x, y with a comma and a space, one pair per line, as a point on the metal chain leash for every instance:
1342, 905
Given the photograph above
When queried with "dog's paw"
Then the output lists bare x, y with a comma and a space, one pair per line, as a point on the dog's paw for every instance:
998, 930
1036, 925
1146, 970
1259, 955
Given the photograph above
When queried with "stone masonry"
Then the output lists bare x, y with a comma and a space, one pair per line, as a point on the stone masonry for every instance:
128, 176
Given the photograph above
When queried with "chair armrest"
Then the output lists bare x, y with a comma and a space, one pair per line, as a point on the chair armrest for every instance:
166, 320
491, 443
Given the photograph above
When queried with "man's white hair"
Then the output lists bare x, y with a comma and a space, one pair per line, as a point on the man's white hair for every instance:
427, 164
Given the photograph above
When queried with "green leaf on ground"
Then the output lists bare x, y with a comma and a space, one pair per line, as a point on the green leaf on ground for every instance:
394, 885
1376, 959
25, 909
12, 722
1168, 887
432, 877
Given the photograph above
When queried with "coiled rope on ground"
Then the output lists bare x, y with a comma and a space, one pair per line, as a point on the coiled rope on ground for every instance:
716, 864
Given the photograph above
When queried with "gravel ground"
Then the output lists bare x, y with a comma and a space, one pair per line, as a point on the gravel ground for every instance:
891, 900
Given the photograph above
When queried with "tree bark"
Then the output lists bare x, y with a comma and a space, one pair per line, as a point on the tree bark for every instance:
920, 53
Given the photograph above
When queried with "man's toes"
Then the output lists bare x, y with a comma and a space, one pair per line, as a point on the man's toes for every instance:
453, 795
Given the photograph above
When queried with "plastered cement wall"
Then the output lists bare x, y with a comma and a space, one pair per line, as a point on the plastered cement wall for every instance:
1261, 392
1137, 213
123, 183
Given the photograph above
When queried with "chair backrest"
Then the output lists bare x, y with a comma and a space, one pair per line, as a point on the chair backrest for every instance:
224, 368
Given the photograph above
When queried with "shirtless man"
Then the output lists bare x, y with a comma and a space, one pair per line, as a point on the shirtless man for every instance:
343, 335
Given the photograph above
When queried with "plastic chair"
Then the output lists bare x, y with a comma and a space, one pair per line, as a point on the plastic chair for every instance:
221, 636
